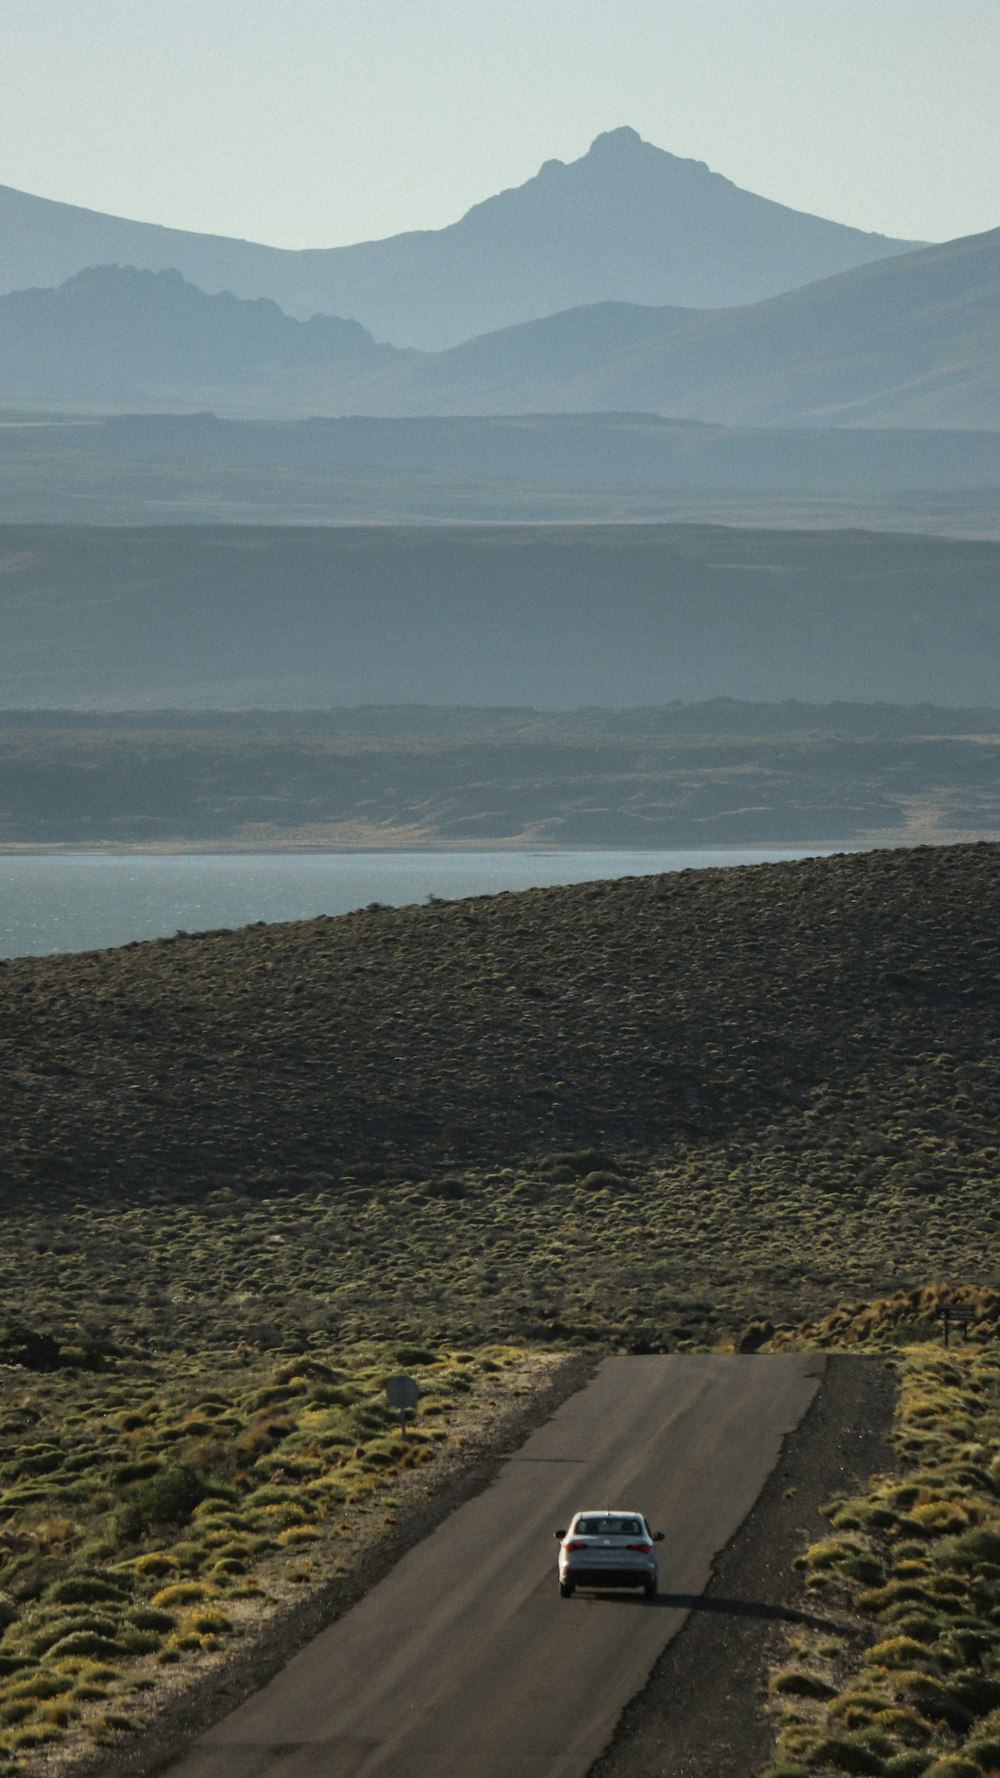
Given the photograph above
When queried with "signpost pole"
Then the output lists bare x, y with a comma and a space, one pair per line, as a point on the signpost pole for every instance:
403, 1392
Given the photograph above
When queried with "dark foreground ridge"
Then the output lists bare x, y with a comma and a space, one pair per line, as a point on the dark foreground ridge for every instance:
845, 1005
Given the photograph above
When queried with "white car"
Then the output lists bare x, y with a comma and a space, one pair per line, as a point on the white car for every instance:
609, 1547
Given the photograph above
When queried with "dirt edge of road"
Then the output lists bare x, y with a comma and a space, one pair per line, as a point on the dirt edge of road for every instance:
700, 1714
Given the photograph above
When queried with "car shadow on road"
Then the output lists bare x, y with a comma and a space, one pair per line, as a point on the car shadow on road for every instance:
755, 1608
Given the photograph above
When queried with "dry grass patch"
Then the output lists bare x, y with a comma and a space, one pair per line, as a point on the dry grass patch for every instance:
914, 1691
96, 1619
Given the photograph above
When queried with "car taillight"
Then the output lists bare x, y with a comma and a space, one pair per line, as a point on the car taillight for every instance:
644, 1549
573, 1545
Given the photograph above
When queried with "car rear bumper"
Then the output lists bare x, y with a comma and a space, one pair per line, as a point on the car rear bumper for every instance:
607, 1577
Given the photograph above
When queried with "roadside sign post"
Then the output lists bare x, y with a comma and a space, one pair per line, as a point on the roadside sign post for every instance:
403, 1392
960, 1313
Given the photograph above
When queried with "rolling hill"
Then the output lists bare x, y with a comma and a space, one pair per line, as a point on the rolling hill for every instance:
805, 1016
625, 222
909, 342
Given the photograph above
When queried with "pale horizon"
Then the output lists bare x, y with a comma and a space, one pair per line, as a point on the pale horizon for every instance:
318, 125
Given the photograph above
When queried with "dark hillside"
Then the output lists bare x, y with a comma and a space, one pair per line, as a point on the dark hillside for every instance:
842, 1012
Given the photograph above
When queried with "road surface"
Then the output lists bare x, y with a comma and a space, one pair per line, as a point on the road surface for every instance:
464, 1660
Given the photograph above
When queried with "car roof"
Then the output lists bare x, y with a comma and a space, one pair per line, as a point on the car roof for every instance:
609, 1512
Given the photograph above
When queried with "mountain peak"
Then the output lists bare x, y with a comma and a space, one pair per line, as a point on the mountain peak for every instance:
614, 141
623, 146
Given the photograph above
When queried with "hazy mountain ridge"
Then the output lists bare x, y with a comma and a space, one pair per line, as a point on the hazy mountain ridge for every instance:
116, 330
910, 341
627, 221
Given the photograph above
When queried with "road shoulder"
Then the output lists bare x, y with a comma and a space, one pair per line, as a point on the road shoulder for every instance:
701, 1714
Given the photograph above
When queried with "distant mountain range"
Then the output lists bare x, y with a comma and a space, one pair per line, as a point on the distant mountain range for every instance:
909, 341
626, 223
115, 336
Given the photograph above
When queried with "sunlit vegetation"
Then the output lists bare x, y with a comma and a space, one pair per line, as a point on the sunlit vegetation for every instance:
903, 1677
154, 1507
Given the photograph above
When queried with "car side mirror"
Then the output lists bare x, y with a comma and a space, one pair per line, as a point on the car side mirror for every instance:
559, 1533
657, 1536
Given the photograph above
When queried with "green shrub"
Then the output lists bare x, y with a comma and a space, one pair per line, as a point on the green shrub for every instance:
89, 1589
802, 1684
207, 1623
16, 1710
895, 1651
970, 1549
156, 1564
147, 1617
134, 1642
846, 1755
84, 1642
870, 1702
168, 1498
59, 1628
908, 1592
903, 1725
976, 1691
985, 1750
953, 1766
916, 1625
180, 1594
41, 1685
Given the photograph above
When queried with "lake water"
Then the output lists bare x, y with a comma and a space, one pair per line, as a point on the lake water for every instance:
83, 901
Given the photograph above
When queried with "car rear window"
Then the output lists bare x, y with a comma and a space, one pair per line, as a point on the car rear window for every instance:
608, 1527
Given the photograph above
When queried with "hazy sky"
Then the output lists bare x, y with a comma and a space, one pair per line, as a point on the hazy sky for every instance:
319, 122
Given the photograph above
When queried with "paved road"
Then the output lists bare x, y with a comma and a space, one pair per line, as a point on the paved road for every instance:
464, 1660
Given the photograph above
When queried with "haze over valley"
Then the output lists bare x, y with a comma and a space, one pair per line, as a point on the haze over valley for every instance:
214, 502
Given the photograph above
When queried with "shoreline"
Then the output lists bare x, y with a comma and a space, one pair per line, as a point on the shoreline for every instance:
882, 840
218, 849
